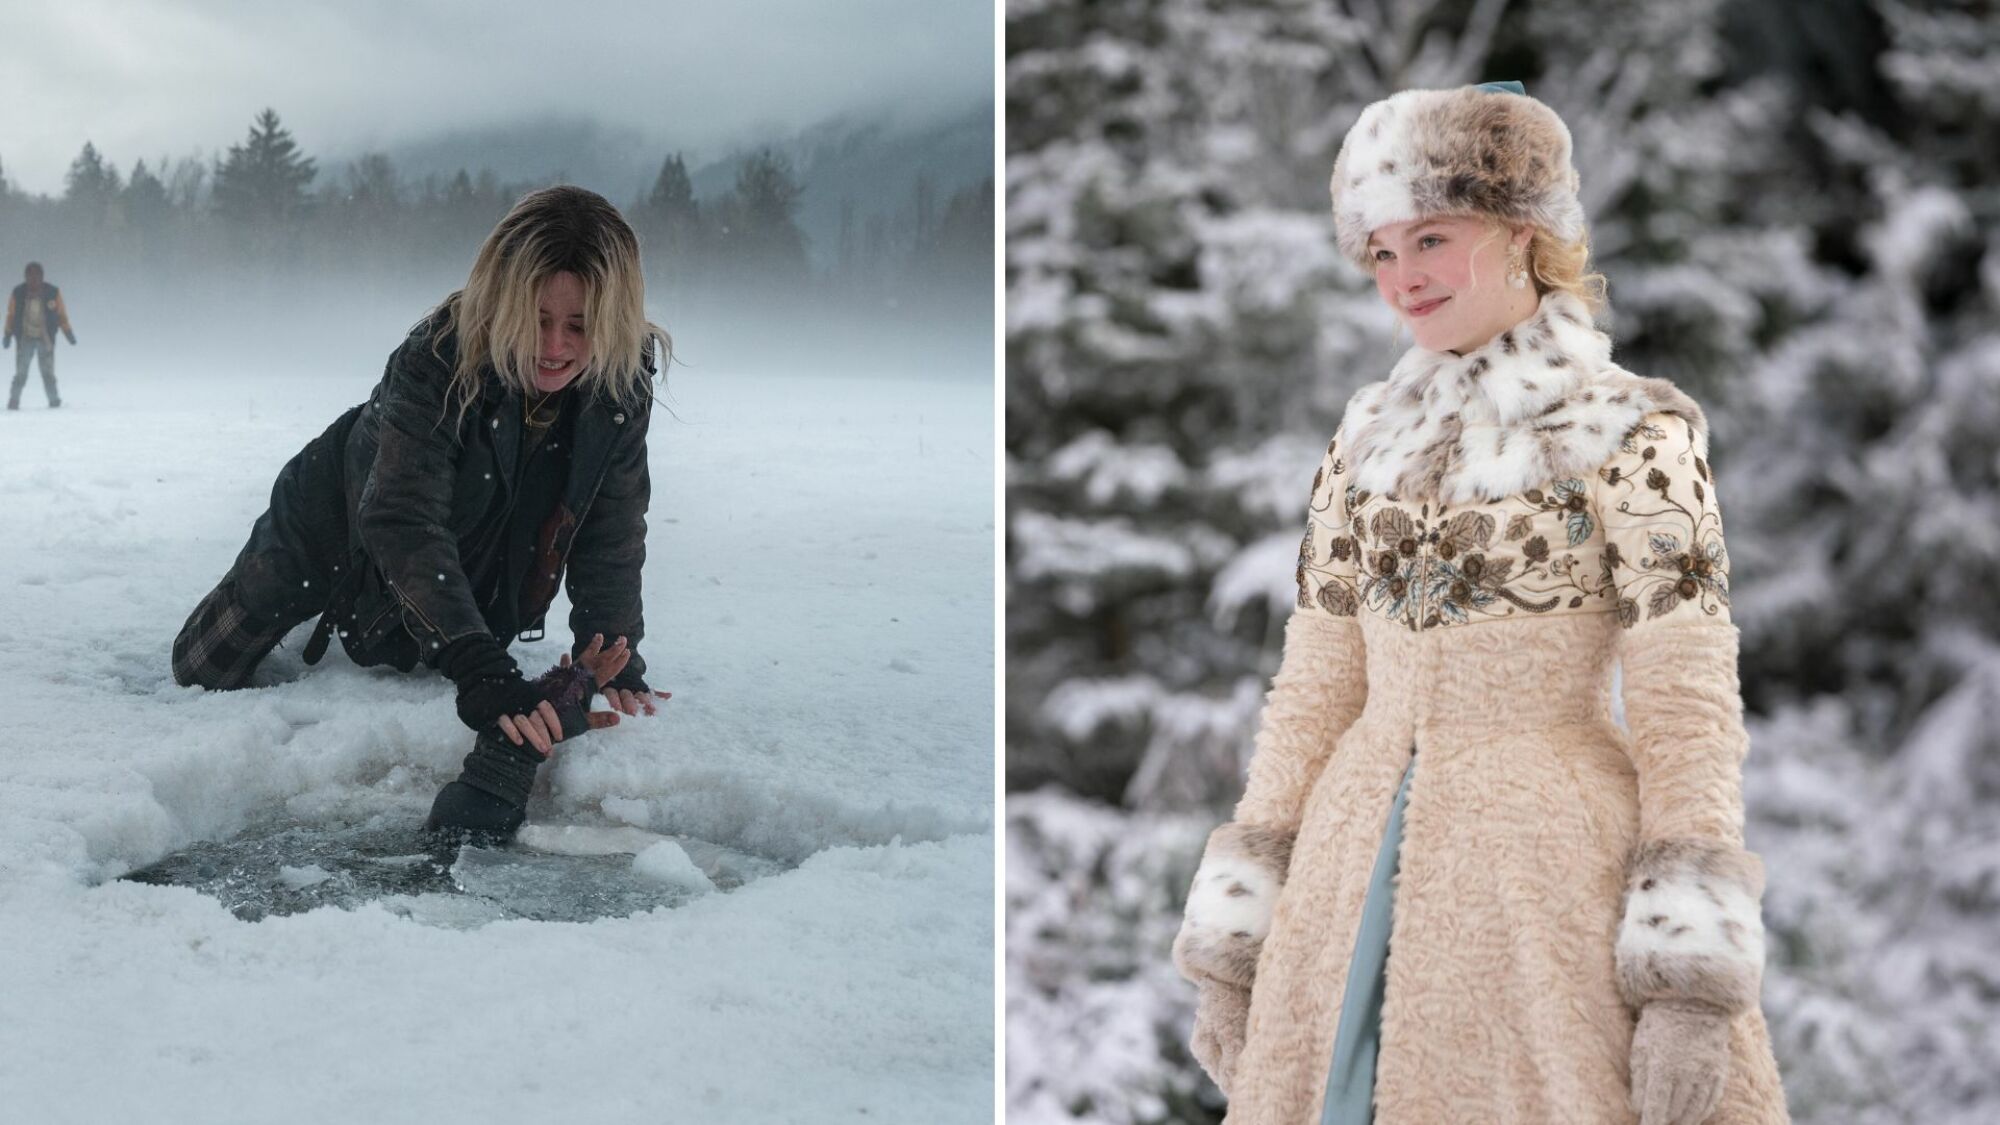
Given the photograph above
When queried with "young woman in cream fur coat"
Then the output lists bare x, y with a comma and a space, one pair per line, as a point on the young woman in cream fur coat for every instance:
1455, 890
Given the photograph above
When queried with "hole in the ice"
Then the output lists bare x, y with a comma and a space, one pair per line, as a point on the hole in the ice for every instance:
551, 873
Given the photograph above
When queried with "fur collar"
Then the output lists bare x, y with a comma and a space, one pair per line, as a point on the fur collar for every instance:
1539, 402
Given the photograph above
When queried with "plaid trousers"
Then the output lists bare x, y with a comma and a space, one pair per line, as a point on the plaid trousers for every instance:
223, 641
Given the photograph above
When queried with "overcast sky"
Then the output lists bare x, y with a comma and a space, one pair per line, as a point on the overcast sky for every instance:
147, 78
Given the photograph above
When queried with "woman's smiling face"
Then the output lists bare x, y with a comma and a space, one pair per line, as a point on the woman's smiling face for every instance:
1447, 279
563, 345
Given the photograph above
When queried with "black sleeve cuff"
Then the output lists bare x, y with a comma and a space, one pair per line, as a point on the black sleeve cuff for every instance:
479, 656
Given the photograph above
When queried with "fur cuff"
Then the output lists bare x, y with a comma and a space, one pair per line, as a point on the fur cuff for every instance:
1229, 907
1693, 930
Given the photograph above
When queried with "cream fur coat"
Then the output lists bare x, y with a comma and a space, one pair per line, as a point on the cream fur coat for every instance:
1489, 535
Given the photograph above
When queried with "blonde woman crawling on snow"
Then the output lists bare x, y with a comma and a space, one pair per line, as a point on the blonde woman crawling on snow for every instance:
503, 449
1455, 890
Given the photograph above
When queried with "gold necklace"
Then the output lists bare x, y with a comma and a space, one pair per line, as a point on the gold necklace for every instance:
533, 415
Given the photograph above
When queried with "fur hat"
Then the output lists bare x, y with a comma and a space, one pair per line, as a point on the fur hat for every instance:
1423, 153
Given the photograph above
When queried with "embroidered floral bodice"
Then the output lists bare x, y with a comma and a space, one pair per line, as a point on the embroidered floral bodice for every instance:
1527, 477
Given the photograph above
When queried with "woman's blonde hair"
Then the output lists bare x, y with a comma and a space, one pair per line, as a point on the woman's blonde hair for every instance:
1556, 266
496, 317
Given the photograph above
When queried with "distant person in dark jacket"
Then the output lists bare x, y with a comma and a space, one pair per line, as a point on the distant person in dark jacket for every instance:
504, 446
35, 313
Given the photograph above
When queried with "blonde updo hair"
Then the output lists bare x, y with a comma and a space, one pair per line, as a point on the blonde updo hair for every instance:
1555, 266
496, 317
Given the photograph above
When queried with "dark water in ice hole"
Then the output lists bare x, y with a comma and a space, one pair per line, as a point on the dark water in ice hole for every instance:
289, 868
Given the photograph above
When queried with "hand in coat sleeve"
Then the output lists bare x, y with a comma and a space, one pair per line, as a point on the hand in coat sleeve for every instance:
1320, 688
1690, 948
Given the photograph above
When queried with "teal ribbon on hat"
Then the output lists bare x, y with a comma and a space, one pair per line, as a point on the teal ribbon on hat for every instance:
1504, 88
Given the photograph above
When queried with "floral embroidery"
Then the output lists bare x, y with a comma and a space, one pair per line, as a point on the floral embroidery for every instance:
1334, 596
1644, 430
1325, 583
1471, 585
1337, 600
1394, 593
1674, 509
1429, 567
1639, 540
1571, 499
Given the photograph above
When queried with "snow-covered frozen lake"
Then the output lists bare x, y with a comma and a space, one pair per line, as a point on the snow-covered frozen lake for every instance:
819, 599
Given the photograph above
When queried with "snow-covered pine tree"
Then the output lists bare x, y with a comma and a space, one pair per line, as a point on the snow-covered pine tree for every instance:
1879, 503
1179, 339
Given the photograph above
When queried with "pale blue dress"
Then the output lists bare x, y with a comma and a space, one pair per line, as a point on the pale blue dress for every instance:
1350, 1081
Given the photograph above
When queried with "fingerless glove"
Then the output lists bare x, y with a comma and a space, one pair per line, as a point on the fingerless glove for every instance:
489, 682
628, 680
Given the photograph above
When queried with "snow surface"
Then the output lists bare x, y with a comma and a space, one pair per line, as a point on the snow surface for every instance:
819, 601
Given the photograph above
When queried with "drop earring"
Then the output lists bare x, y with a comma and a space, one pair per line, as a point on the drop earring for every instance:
1517, 268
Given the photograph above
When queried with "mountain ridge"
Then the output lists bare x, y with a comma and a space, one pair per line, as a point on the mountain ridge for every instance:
873, 160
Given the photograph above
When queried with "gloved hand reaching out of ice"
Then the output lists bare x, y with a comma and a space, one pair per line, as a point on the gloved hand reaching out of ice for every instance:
489, 799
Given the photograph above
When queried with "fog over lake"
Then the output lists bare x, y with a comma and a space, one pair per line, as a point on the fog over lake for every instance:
145, 79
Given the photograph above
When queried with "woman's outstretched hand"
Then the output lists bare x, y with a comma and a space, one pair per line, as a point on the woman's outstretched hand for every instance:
605, 664
633, 702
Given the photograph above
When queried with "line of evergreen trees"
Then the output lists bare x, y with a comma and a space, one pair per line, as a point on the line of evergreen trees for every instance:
264, 204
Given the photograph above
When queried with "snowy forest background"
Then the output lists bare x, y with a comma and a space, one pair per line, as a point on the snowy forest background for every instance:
1797, 208
866, 241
